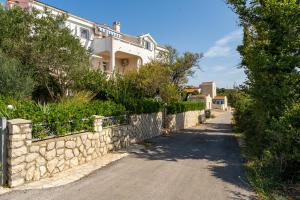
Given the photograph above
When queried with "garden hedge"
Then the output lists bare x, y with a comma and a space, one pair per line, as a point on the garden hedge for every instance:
184, 106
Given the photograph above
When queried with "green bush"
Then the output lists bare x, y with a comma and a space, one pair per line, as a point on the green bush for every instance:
60, 118
184, 106
140, 106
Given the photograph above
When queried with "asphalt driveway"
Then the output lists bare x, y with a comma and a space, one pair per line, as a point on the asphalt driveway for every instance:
197, 163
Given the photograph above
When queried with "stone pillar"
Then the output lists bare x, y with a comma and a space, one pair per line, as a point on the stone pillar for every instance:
19, 141
98, 123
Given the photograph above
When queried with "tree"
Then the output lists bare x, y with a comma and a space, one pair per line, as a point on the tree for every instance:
271, 59
180, 67
42, 43
14, 80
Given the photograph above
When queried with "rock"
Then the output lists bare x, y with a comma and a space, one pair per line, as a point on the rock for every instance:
36, 175
93, 143
61, 168
18, 152
88, 144
78, 142
82, 161
60, 144
17, 169
40, 161
61, 157
89, 158
69, 154
90, 151
94, 155
84, 138
60, 163
30, 173
74, 162
55, 171
50, 145
90, 136
16, 161
42, 151
70, 144
51, 165
81, 148
31, 157
16, 182
34, 149
60, 151
50, 154
76, 152
29, 165
17, 144
84, 153
96, 136
43, 170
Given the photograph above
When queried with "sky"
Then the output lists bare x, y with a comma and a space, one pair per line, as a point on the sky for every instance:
201, 26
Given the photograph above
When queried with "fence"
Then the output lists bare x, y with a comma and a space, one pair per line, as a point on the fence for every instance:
3, 150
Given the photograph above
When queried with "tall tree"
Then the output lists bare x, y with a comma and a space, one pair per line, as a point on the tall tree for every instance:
180, 66
40, 41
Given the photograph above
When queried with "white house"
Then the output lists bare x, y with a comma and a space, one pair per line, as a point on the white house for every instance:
112, 50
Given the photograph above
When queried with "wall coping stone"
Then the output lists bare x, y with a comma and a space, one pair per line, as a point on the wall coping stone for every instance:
19, 121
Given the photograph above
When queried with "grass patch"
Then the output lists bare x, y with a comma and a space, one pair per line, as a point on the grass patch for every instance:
261, 180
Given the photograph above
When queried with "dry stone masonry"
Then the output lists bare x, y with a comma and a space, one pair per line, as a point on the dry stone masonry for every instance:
30, 160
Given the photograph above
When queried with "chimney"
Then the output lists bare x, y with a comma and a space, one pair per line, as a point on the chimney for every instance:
117, 26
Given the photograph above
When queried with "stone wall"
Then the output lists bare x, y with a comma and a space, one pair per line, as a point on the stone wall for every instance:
30, 160
184, 120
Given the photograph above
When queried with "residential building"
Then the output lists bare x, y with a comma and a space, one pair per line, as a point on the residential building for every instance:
209, 88
112, 50
220, 102
203, 98
191, 90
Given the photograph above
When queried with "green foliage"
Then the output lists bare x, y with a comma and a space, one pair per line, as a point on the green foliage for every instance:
145, 106
184, 106
61, 118
14, 80
269, 114
41, 43
179, 67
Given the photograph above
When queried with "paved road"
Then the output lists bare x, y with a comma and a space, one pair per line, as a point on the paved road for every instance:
198, 163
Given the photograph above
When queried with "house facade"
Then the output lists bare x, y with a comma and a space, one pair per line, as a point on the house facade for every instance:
111, 49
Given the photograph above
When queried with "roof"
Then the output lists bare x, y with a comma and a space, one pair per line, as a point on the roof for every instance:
198, 96
95, 23
220, 97
190, 90
207, 83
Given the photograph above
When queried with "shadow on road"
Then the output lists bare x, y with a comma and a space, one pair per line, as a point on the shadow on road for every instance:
213, 144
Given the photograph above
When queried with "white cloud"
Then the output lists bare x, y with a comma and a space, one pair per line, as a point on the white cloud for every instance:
219, 68
222, 47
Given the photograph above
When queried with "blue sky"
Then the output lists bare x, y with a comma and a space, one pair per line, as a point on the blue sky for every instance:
202, 26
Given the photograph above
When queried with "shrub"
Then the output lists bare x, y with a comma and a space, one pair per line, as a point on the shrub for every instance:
15, 80
184, 106
146, 106
61, 118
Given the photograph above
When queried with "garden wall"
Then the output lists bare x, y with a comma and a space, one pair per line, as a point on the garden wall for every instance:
30, 160
184, 120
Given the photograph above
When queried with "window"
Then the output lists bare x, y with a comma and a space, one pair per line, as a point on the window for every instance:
84, 33
147, 45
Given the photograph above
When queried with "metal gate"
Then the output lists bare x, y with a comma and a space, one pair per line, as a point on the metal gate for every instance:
3, 151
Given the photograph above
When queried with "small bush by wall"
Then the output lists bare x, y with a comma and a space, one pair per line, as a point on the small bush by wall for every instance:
144, 106
184, 106
61, 118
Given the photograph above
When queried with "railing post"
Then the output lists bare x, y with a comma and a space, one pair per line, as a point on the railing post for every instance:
3, 151
98, 123
19, 141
